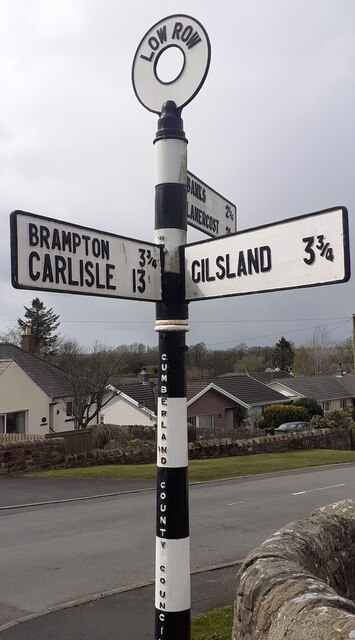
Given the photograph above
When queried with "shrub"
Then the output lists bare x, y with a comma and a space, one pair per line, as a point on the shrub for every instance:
312, 406
105, 433
353, 414
276, 414
135, 442
332, 420
191, 432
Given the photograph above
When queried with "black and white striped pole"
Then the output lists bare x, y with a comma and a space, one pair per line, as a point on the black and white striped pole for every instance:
172, 568
172, 576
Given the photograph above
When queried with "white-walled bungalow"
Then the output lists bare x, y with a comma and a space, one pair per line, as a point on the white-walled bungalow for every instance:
329, 391
132, 404
35, 396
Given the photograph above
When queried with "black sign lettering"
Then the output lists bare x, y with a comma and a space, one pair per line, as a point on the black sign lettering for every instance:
34, 275
244, 263
59, 270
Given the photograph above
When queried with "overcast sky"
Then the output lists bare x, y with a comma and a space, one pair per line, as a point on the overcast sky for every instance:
272, 129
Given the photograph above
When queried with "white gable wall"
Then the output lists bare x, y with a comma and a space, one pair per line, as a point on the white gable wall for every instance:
19, 393
289, 393
122, 412
329, 405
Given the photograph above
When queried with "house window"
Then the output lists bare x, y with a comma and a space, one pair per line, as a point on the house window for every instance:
325, 405
202, 422
13, 422
69, 408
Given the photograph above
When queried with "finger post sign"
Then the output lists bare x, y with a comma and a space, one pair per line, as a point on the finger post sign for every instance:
301, 252
60, 256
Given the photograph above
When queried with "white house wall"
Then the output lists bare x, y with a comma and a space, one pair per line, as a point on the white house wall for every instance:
122, 412
334, 405
285, 392
19, 393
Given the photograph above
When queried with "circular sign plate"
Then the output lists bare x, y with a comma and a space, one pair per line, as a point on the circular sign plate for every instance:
191, 41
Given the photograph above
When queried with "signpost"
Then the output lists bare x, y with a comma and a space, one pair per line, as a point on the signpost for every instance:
207, 210
59, 256
300, 252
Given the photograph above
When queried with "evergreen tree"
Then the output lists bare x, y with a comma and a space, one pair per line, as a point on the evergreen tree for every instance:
44, 322
283, 355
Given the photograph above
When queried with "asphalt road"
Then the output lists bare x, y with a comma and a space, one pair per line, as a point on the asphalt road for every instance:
57, 552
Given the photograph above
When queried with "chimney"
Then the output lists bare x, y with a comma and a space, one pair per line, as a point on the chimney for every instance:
340, 372
28, 341
143, 374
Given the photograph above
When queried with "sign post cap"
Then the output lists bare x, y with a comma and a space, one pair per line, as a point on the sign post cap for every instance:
188, 36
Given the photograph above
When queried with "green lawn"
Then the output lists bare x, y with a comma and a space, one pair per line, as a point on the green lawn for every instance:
215, 625
213, 469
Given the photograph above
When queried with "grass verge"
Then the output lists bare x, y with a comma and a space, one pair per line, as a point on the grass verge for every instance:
212, 469
215, 625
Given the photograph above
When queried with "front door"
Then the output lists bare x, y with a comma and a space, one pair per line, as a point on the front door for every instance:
229, 418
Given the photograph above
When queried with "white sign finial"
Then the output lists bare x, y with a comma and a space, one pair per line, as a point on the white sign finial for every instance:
190, 39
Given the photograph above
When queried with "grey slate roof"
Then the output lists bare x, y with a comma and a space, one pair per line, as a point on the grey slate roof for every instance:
319, 388
268, 376
244, 388
142, 393
3, 365
52, 380
348, 383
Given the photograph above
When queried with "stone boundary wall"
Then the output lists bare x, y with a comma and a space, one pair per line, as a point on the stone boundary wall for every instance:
51, 452
315, 439
300, 583
32, 455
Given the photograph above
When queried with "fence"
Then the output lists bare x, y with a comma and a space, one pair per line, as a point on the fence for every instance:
19, 437
77, 441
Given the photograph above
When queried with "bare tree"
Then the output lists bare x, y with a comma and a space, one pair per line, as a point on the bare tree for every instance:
11, 336
302, 363
344, 352
317, 349
90, 376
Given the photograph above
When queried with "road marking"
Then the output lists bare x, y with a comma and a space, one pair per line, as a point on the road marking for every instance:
332, 486
231, 504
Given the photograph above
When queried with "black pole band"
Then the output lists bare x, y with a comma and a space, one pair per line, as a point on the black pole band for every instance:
174, 625
173, 304
172, 345
172, 503
170, 206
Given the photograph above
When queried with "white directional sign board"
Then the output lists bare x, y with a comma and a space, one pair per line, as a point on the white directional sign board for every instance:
299, 252
207, 210
60, 256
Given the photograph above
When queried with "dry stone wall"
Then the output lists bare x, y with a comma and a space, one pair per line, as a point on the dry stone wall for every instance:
300, 583
32, 455
51, 452
316, 439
